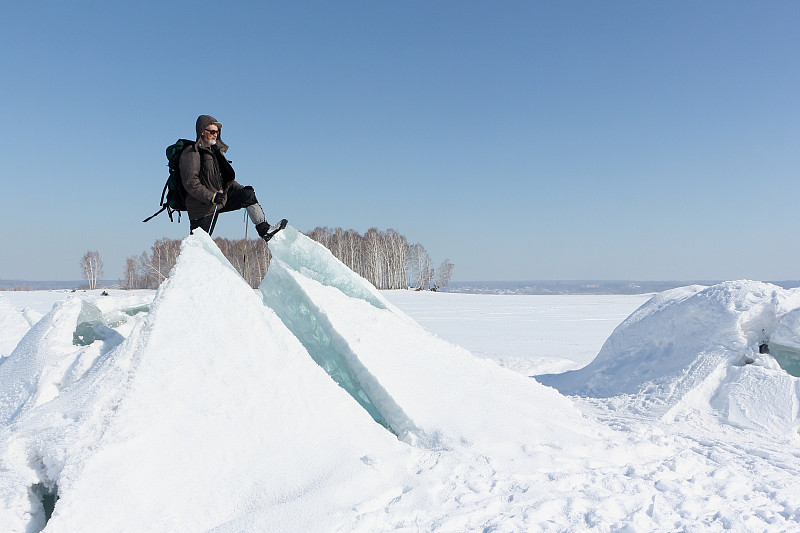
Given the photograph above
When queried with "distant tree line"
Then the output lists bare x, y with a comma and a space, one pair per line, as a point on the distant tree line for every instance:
146, 271
384, 258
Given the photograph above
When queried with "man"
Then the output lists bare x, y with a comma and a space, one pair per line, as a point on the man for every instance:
210, 185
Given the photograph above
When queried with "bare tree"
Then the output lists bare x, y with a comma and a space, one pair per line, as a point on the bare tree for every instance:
258, 257
250, 258
148, 279
396, 256
92, 267
131, 279
373, 257
421, 267
385, 259
443, 274
162, 258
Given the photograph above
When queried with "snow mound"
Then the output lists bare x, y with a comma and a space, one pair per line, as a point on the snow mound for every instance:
201, 415
699, 347
787, 333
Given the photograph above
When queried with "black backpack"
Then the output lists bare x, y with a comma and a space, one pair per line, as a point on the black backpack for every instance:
173, 197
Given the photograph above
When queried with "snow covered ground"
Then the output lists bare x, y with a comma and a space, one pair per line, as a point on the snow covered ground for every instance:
320, 404
528, 334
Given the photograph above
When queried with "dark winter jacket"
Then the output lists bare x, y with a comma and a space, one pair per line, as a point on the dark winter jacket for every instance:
204, 171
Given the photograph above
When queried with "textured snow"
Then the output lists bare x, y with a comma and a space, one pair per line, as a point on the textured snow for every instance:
316, 404
13, 326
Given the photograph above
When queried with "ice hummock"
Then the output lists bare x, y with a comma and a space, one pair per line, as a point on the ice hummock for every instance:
202, 414
211, 414
306, 322
701, 346
403, 369
784, 344
300, 254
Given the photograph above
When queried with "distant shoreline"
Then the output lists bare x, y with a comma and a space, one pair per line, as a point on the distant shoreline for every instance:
541, 287
27, 285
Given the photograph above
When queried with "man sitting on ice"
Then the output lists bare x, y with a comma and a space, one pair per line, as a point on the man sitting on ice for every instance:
210, 185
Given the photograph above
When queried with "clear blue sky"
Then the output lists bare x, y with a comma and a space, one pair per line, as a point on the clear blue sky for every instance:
521, 140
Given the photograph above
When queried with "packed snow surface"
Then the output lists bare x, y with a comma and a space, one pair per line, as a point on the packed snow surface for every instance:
316, 404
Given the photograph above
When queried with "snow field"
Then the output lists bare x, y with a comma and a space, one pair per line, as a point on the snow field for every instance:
211, 407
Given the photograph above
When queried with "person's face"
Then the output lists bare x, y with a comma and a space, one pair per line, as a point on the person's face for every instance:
210, 134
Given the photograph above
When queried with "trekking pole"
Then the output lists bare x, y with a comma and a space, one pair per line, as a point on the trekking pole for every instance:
213, 220
244, 254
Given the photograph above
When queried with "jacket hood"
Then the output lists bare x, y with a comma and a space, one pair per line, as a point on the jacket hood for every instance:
204, 121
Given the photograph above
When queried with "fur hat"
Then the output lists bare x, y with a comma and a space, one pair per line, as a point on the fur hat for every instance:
204, 121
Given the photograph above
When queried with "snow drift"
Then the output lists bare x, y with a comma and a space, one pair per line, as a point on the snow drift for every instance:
13, 325
702, 342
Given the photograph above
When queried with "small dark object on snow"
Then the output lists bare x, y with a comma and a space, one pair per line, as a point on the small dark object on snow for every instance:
104, 293
763, 348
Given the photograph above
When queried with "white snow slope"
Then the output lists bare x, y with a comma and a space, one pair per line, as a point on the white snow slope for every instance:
12, 324
316, 405
696, 342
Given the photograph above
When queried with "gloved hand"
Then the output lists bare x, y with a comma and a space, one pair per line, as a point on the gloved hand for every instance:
219, 198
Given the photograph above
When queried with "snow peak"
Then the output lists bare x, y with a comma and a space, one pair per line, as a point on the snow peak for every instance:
173, 196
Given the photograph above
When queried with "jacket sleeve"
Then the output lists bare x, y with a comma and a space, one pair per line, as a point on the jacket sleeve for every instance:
190, 175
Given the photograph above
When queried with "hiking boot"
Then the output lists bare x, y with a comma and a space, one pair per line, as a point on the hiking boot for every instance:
266, 232
262, 229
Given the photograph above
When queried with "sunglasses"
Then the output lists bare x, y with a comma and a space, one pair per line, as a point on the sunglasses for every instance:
212, 132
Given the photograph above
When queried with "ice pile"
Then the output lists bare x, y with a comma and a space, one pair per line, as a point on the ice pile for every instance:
203, 414
700, 347
315, 405
784, 343
400, 370
204, 411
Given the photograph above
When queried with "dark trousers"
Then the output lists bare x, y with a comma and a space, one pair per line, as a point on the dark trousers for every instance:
238, 199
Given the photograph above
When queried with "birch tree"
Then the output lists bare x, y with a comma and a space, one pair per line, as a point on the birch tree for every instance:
421, 267
92, 267
385, 259
131, 279
443, 274
162, 258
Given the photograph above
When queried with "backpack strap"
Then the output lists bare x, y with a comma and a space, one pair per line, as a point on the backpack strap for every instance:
155, 214
163, 205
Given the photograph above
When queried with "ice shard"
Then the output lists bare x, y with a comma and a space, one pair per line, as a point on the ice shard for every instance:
314, 261
92, 326
430, 392
306, 322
